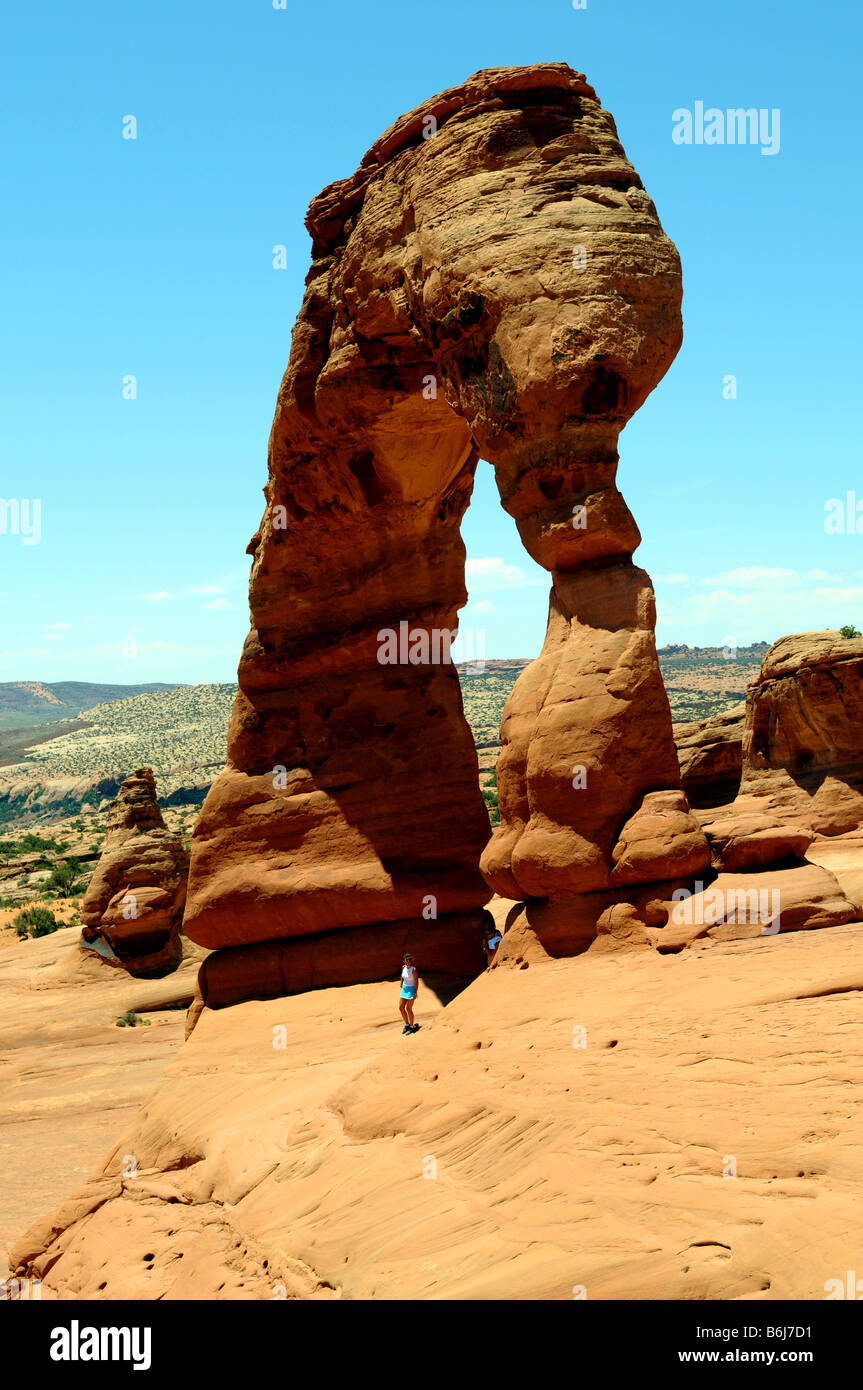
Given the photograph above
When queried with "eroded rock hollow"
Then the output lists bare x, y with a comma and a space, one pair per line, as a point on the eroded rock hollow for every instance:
492, 282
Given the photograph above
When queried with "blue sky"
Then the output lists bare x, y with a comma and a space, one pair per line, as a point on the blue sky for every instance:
153, 258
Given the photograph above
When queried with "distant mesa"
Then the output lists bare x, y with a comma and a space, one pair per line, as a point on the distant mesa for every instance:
493, 666
53, 770
681, 649
23, 703
133, 908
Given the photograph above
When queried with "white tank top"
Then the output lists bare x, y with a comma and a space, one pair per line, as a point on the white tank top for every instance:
409, 974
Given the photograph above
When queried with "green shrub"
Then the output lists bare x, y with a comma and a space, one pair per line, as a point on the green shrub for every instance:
489, 796
131, 1020
36, 921
64, 878
28, 844
849, 631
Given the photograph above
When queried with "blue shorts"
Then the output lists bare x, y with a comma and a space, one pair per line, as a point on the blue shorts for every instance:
408, 992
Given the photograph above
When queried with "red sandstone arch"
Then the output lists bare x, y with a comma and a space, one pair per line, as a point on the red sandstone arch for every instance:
494, 281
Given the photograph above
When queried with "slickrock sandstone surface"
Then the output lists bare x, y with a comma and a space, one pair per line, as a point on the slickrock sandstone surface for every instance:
631, 1125
70, 1079
133, 908
493, 280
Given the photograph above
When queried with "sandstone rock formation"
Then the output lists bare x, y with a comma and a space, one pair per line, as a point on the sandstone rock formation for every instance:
729, 905
710, 753
493, 280
803, 745
802, 753
133, 908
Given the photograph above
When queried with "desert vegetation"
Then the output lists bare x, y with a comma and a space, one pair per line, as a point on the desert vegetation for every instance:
168, 730
183, 731
35, 922
488, 787
702, 681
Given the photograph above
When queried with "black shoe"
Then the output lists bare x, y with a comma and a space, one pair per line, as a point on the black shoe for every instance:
415, 1028
407, 1029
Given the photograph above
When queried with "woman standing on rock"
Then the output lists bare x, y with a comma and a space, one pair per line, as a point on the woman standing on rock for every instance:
410, 985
